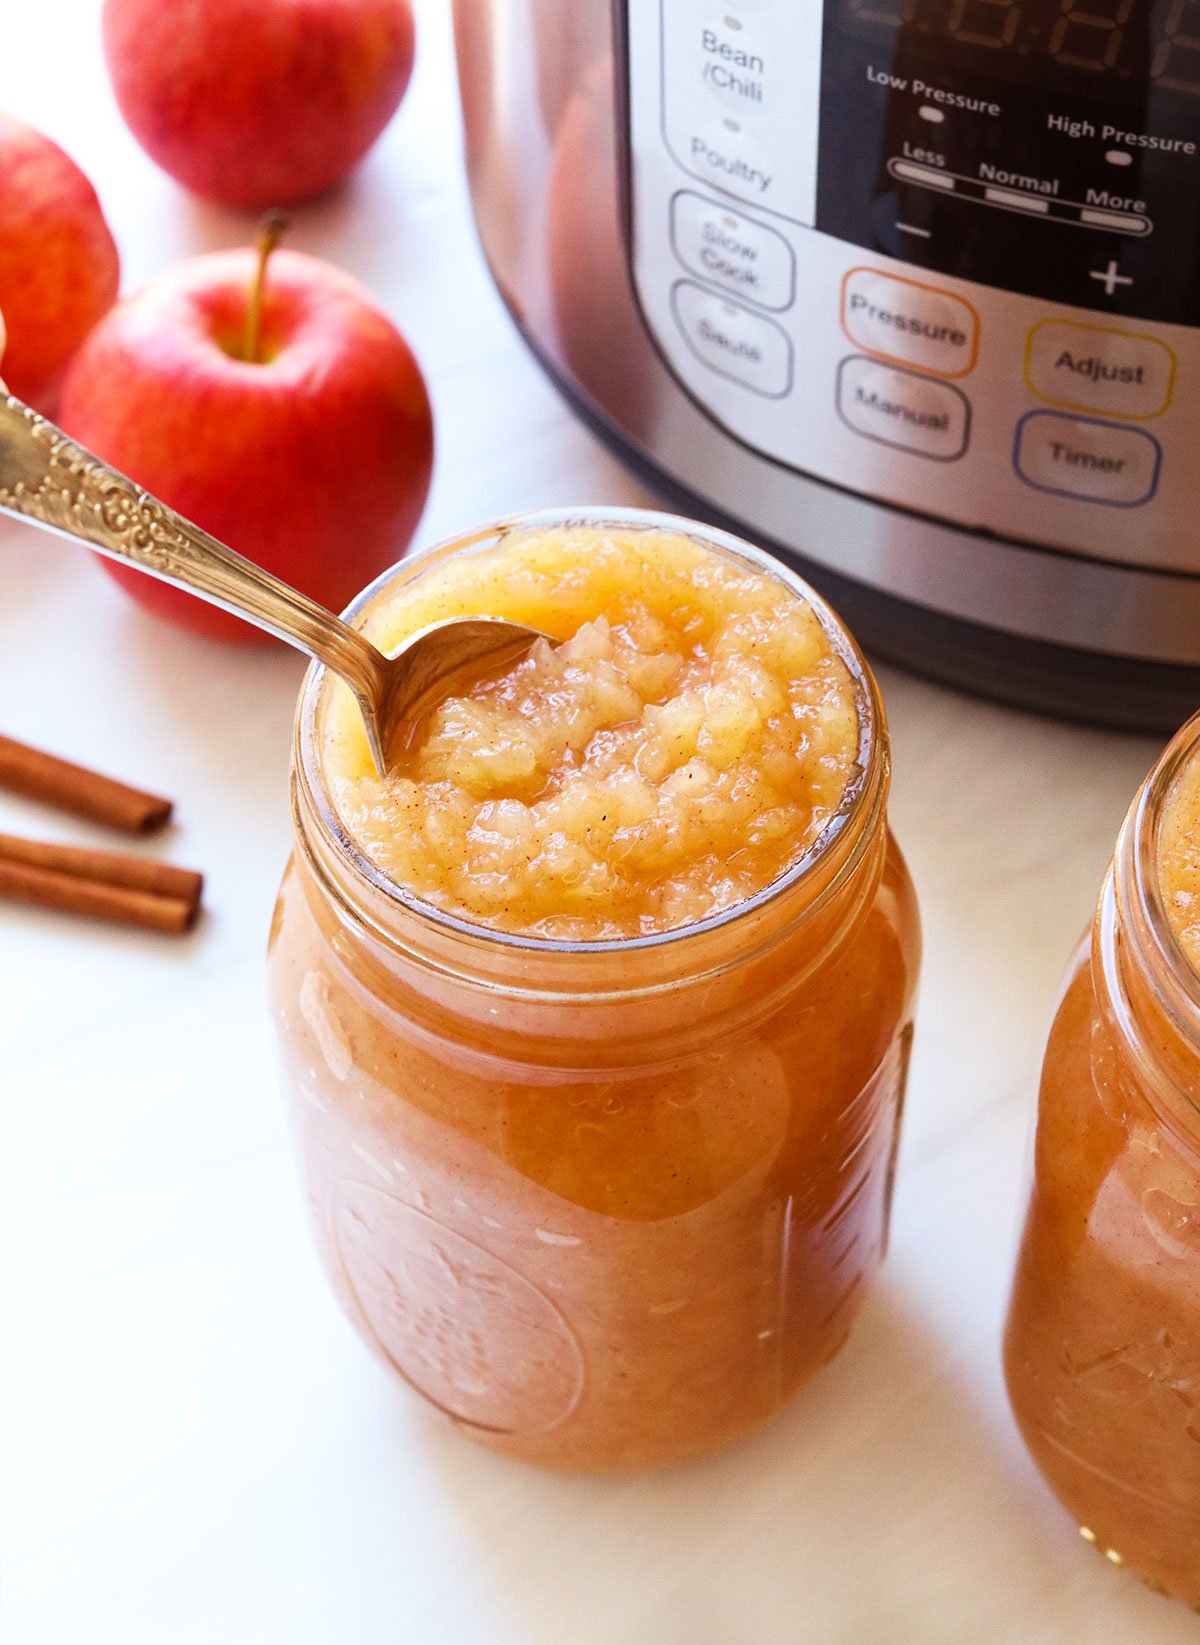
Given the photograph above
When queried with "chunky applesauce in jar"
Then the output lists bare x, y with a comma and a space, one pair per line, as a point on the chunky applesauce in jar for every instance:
1103, 1340
687, 741
595, 1013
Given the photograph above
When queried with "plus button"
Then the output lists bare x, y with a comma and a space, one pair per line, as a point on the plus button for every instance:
1110, 277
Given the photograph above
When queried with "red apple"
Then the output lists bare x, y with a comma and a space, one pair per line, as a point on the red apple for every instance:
297, 430
58, 262
258, 102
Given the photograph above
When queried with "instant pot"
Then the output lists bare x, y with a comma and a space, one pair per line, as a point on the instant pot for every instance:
906, 289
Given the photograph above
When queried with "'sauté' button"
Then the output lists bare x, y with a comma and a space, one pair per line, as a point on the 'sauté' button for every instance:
903, 409
1087, 459
733, 251
910, 323
734, 340
1099, 368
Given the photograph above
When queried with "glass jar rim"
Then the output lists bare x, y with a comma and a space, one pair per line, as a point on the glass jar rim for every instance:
1141, 885
866, 790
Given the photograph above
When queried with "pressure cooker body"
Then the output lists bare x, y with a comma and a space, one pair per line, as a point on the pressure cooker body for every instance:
842, 284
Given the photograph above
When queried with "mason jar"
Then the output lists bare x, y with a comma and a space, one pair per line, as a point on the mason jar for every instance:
603, 1205
1103, 1341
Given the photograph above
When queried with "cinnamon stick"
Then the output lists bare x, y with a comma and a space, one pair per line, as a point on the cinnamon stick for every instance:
75, 788
160, 879
123, 905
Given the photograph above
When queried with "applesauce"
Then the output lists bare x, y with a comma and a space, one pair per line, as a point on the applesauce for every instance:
687, 741
1103, 1341
597, 1076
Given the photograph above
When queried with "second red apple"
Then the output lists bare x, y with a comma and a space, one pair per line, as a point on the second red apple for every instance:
258, 102
58, 262
300, 432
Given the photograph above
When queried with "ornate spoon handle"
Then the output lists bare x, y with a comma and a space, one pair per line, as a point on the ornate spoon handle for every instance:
47, 478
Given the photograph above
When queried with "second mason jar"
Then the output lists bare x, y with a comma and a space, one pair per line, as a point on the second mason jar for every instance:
1103, 1339
607, 1204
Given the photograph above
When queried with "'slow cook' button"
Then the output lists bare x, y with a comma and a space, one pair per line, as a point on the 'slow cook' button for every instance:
914, 324
733, 251
1098, 368
902, 409
734, 340
1084, 458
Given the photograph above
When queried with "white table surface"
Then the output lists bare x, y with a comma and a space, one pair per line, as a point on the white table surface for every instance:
194, 1446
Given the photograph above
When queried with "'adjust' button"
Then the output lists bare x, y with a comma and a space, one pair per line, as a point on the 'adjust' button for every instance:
1099, 368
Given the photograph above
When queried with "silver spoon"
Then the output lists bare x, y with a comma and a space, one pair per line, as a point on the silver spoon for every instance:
45, 477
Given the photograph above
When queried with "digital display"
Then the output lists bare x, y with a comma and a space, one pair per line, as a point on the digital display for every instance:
1155, 42
1046, 147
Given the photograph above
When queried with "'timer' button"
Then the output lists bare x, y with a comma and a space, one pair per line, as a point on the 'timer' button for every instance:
914, 324
902, 409
1084, 458
734, 340
1099, 368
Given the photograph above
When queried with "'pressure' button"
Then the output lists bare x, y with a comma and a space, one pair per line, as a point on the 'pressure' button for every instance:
913, 324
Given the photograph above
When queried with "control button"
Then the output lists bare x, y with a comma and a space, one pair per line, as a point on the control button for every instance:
1085, 458
732, 251
903, 409
1109, 278
734, 65
915, 324
732, 159
734, 340
1098, 368
915, 227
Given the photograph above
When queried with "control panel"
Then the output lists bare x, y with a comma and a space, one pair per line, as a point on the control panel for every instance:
943, 253
1043, 146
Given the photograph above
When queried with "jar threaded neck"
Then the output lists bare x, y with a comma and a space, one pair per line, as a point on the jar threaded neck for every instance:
1140, 966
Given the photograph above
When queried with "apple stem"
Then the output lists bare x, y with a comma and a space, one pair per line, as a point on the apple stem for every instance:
274, 226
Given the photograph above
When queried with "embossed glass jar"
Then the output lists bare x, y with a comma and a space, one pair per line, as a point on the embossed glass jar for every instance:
1103, 1342
605, 1205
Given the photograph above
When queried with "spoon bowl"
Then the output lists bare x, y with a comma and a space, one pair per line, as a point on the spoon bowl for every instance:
425, 669
45, 477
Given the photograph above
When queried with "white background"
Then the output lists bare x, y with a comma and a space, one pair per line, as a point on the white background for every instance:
193, 1445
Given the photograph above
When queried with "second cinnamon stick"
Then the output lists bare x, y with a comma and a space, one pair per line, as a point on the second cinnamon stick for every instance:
160, 879
68, 893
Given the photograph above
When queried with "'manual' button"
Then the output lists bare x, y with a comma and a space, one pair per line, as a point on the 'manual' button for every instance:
902, 409
1084, 458
1098, 368
734, 340
914, 324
